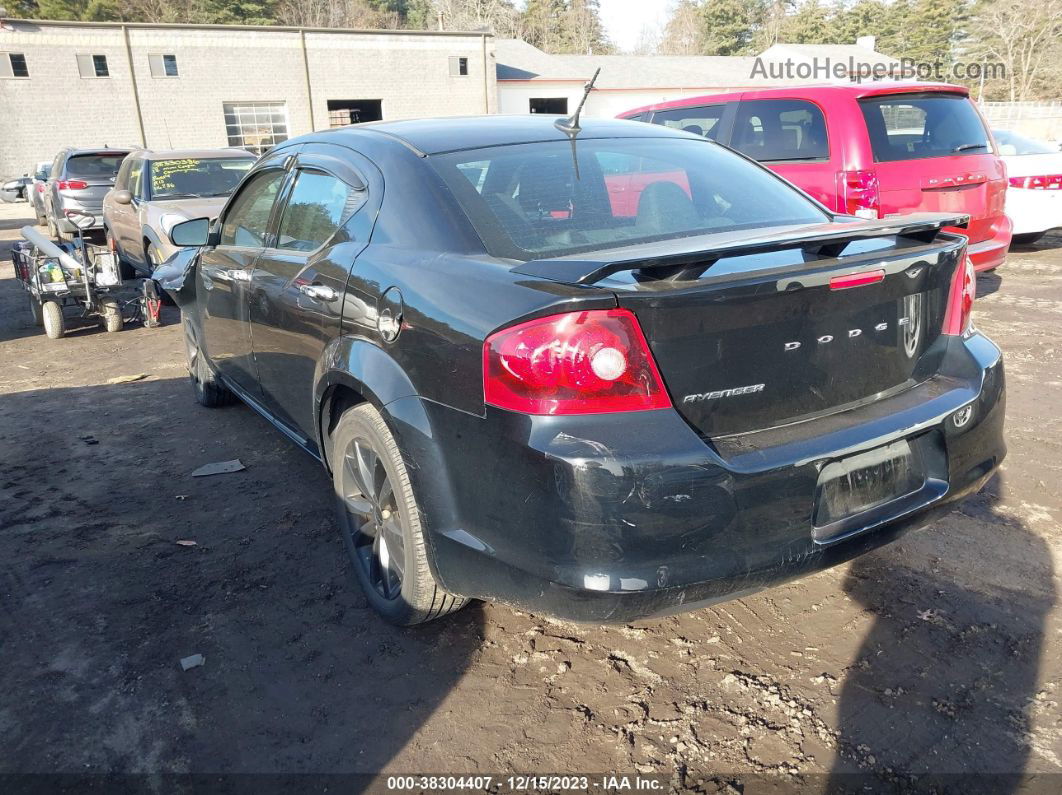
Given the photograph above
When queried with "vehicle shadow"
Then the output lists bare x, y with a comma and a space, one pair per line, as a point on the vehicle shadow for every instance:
944, 683
115, 564
988, 283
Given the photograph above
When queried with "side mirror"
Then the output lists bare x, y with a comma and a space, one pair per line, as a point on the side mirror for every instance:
191, 233
123, 197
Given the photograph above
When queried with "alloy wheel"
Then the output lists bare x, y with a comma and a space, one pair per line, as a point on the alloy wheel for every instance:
374, 522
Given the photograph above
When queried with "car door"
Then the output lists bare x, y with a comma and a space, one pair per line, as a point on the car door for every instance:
298, 283
789, 136
225, 272
122, 218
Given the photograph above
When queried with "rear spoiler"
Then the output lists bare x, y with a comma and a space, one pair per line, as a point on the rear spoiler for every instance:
684, 258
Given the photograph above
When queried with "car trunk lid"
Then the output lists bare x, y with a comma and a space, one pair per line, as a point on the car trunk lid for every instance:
755, 332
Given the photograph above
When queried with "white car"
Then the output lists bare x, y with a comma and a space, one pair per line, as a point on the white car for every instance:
1034, 197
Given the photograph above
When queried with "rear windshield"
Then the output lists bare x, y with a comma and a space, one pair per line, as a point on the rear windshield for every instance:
1011, 143
914, 127
196, 178
529, 201
94, 166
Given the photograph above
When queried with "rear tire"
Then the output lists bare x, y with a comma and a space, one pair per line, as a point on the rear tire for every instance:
111, 315
209, 391
36, 311
1027, 239
379, 520
54, 323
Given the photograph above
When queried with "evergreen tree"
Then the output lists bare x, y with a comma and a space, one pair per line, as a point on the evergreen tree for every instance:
729, 26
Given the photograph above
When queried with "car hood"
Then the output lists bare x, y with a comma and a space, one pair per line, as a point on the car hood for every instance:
189, 208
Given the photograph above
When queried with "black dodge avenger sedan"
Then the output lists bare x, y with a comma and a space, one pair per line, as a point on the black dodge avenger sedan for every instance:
601, 375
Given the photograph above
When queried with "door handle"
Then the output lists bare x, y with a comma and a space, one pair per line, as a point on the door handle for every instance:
319, 292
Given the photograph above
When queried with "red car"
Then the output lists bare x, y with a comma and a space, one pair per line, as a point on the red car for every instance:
872, 150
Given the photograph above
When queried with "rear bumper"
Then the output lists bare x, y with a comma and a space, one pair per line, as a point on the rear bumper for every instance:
989, 254
608, 518
1034, 211
64, 223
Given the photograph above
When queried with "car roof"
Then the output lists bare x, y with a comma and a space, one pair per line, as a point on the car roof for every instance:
192, 154
455, 133
811, 91
73, 151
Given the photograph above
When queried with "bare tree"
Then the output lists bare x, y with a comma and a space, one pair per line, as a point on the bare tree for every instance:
333, 14
498, 16
684, 32
1022, 35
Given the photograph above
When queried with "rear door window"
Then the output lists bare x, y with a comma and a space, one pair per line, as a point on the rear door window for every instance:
918, 126
318, 206
773, 130
703, 121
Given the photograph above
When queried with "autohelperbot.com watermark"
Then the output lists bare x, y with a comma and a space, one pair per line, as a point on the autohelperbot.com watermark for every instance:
854, 69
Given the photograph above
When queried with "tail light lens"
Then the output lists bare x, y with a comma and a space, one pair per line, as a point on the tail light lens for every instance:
577, 363
40, 187
862, 195
1045, 182
957, 320
72, 184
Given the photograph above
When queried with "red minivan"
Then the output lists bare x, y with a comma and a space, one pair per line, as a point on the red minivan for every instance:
872, 150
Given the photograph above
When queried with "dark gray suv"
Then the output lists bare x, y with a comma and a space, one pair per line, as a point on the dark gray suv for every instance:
79, 180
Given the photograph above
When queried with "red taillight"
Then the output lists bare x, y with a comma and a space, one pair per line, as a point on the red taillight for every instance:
1044, 182
576, 363
862, 196
71, 184
40, 187
957, 319
857, 279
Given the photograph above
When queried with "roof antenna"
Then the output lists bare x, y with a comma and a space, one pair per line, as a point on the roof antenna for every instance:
570, 124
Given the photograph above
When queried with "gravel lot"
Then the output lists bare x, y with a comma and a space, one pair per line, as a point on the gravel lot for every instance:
939, 655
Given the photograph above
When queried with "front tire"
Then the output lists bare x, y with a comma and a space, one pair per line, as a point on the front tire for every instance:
54, 323
209, 391
380, 522
1027, 239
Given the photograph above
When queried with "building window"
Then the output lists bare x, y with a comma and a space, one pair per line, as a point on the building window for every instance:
13, 64
342, 112
163, 65
549, 105
256, 126
458, 66
93, 66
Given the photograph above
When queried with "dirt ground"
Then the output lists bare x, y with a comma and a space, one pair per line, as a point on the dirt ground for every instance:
940, 655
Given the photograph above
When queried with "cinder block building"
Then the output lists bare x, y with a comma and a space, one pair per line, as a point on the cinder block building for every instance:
163, 86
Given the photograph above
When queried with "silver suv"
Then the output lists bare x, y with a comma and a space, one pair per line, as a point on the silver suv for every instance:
79, 180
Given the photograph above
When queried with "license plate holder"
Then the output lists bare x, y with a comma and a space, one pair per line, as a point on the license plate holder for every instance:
857, 485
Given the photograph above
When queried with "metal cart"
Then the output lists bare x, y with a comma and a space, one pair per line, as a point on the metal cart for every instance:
78, 278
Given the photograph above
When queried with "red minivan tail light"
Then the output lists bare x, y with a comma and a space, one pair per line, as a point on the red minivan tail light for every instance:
587, 362
957, 317
71, 184
1043, 182
861, 193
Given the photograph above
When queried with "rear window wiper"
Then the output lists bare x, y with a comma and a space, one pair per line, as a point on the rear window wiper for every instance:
967, 147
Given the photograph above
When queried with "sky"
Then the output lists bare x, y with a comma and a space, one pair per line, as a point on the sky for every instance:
625, 19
